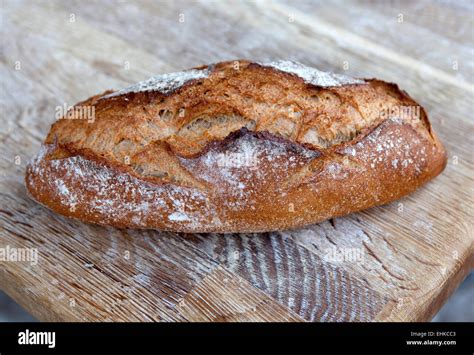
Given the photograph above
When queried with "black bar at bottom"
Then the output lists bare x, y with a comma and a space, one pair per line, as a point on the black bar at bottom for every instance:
238, 337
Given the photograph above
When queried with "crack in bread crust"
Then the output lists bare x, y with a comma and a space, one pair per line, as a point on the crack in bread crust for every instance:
287, 185
232, 96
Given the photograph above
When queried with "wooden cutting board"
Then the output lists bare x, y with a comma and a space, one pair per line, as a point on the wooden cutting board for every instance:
390, 263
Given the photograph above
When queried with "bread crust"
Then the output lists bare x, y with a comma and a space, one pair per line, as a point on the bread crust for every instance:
236, 147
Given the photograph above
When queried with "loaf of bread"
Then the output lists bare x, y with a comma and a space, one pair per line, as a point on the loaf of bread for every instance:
235, 147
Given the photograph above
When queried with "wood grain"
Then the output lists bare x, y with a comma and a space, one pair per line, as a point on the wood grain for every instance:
224, 297
412, 253
288, 272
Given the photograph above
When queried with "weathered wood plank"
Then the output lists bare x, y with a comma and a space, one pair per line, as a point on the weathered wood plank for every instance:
408, 28
223, 297
414, 252
449, 19
310, 286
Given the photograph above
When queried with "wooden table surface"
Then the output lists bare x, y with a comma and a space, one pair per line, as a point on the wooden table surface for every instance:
410, 255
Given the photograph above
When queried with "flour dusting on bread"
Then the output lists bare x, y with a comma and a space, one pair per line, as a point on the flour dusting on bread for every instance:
167, 83
311, 75
110, 189
164, 83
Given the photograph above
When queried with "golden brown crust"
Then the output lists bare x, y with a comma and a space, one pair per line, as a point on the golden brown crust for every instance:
238, 147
